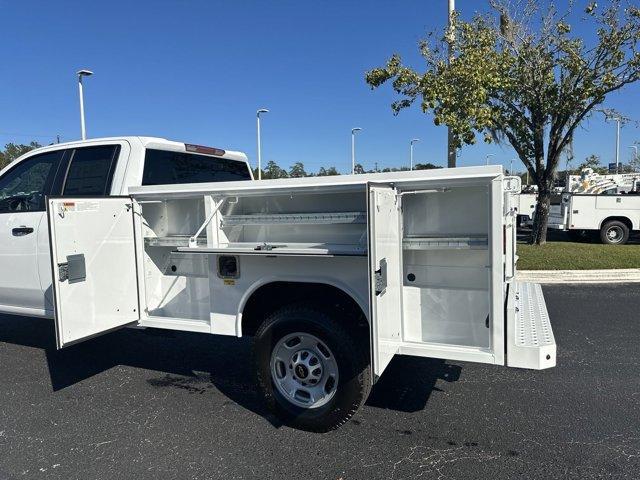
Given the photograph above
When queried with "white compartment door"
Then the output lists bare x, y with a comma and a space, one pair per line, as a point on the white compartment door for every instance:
93, 258
384, 274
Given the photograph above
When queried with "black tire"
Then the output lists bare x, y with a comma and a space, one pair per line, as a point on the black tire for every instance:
614, 232
349, 348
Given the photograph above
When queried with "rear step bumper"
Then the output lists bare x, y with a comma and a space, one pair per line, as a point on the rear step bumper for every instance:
530, 341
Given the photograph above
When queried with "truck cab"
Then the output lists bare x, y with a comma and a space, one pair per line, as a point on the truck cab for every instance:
97, 167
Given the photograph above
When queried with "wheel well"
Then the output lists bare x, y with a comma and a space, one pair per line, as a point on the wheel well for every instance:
624, 220
268, 298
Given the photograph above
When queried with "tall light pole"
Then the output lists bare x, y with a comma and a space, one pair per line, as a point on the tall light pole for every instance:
353, 148
411, 152
617, 120
82, 73
451, 150
511, 167
610, 114
262, 110
487, 158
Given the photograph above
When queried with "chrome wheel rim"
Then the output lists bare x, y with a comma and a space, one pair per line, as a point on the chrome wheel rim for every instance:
304, 370
614, 234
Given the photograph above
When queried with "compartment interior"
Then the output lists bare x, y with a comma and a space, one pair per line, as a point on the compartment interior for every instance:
444, 250
177, 274
176, 284
445, 266
333, 222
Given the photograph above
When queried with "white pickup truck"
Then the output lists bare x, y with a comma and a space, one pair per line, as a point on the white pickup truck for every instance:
107, 166
332, 276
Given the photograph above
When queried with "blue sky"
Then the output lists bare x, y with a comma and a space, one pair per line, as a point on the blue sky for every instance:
196, 71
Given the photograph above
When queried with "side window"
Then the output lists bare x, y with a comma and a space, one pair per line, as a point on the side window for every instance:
91, 170
163, 167
24, 187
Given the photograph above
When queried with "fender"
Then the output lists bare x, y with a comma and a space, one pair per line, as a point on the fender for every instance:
362, 303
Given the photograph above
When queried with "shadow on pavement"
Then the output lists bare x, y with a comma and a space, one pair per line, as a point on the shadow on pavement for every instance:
196, 363
407, 383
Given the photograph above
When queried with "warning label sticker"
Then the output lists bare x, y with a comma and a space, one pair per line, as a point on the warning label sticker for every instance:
88, 206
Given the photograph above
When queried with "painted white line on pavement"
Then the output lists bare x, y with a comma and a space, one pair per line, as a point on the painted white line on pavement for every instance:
626, 275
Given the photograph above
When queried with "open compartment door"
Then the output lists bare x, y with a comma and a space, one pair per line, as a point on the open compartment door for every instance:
93, 259
384, 274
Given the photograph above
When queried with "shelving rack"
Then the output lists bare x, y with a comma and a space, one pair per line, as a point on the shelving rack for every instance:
323, 218
475, 242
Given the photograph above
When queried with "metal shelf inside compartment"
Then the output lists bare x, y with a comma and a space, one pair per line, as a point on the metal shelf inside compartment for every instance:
295, 218
281, 249
172, 241
466, 242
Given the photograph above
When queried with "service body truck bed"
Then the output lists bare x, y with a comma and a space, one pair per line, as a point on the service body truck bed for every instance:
333, 276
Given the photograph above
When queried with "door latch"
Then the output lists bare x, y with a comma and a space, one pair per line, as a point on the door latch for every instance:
73, 270
381, 277
63, 271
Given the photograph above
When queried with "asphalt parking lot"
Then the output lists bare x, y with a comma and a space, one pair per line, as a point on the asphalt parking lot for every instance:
133, 404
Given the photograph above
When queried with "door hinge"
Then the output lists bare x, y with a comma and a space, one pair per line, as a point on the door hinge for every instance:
381, 277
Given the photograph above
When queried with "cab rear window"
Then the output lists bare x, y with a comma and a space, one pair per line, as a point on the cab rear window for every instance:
162, 167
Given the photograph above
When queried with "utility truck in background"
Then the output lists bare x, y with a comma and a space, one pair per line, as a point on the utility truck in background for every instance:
526, 208
591, 205
332, 276
589, 182
605, 205
613, 217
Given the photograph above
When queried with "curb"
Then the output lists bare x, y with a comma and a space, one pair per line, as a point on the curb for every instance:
625, 275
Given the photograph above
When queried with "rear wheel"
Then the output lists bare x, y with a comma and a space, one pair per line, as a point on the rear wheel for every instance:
313, 371
614, 232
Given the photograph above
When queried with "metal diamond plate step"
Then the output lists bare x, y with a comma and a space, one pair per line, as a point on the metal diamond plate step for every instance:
530, 341
533, 327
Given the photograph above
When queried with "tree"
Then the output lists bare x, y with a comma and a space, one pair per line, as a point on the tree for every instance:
324, 172
526, 81
425, 166
13, 151
395, 169
297, 170
593, 162
358, 169
273, 171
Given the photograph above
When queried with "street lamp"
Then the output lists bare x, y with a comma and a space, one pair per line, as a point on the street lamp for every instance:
411, 151
610, 114
487, 157
82, 73
451, 36
262, 110
353, 148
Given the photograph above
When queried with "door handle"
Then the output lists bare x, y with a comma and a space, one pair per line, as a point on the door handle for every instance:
21, 231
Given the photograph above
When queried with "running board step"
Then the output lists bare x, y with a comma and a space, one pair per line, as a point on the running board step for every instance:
530, 341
